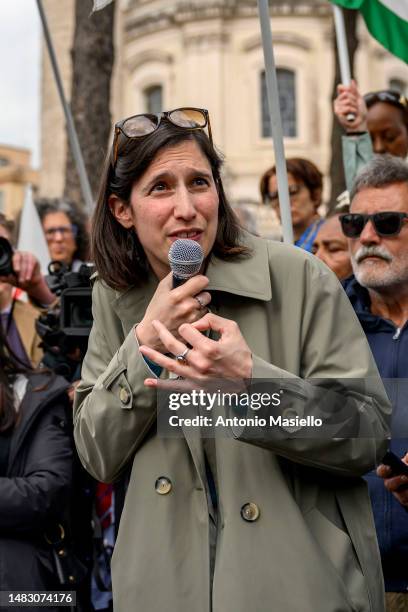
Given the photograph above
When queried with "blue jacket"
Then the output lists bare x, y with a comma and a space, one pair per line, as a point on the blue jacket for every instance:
389, 346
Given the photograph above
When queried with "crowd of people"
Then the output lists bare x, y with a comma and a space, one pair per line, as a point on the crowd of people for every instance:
255, 520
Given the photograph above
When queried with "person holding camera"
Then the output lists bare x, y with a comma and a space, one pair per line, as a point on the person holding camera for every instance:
20, 269
239, 522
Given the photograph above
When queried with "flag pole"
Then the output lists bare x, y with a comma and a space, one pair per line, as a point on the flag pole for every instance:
276, 123
342, 49
72, 135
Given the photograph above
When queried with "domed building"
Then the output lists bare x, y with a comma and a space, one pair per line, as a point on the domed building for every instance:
208, 53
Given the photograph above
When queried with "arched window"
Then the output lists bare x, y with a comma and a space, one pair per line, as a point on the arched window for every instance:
287, 101
399, 85
153, 97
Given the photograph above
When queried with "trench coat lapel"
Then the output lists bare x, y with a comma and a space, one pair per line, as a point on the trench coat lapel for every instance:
131, 304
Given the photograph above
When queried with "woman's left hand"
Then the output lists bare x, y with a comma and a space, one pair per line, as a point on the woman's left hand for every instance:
228, 357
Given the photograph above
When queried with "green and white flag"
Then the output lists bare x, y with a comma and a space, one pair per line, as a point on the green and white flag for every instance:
387, 20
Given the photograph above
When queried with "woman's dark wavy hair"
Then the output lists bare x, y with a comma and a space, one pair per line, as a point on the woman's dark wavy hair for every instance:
45, 206
10, 366
116, 251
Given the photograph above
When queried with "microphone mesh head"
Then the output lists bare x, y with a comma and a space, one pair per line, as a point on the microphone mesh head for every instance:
185, 258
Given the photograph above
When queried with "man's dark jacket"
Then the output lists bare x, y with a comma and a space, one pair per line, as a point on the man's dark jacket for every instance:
389, 346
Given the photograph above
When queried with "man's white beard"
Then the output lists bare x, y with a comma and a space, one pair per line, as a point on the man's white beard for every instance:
392, 274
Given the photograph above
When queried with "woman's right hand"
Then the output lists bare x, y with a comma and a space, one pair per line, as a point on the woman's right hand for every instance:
173, 307
350, 101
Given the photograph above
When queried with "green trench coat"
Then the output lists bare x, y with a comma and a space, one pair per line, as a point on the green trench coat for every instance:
313, 546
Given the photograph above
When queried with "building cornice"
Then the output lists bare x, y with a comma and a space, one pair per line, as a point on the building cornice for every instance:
150, 55
177, 12
283, 38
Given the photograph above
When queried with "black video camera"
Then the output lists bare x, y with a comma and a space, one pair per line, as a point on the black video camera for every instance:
75, 293
65, 327
6, 257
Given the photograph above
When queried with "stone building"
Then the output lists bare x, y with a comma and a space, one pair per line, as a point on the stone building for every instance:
208, 53
15, 174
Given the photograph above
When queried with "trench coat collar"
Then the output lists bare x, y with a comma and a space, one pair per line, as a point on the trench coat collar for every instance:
247, 277
131, 304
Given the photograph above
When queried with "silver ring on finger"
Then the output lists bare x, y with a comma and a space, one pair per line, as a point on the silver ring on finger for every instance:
200, 302
182, 358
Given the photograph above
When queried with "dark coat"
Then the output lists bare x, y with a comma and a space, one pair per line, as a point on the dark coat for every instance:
389, 345
35, 491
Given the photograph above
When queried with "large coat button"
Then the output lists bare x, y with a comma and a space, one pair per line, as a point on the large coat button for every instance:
163, 485
250, 512
124, 395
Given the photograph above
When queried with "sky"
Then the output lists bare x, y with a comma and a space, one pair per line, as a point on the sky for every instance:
20, 47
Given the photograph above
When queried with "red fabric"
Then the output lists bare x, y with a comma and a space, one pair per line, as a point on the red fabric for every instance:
103, 503
19, 294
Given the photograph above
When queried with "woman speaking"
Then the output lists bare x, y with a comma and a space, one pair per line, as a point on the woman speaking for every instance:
229, 524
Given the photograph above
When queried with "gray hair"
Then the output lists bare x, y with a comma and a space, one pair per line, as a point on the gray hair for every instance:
381, 171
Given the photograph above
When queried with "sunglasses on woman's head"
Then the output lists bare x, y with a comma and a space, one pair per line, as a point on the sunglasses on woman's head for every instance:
145, 124
385, 223
388, 95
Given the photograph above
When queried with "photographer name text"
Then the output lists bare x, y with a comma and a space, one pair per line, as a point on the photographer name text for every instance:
253, 421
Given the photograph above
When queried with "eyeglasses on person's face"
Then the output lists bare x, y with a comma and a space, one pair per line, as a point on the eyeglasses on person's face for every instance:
389, 96
145, 124
385, 223
273, 197
64, 230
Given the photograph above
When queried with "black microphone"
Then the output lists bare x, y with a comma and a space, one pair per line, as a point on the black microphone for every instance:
185, 257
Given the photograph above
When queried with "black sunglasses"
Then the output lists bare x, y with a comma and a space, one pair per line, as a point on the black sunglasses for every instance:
388, 95
385, 223
145, 124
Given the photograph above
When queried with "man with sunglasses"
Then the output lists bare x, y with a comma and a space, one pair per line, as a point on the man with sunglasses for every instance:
380, 126
377, 233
